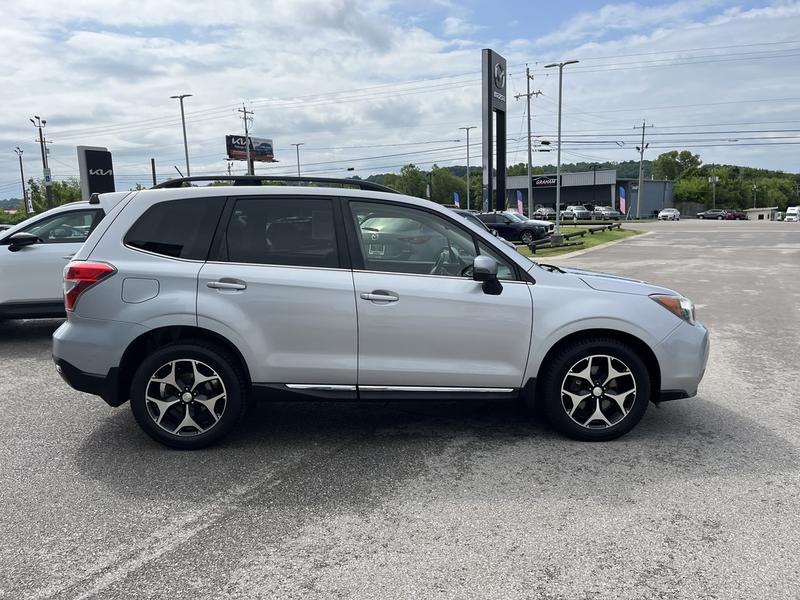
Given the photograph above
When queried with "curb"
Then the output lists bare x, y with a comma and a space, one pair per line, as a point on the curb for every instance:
587, 250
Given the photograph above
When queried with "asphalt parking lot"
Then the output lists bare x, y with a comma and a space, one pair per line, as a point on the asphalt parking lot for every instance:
314, 500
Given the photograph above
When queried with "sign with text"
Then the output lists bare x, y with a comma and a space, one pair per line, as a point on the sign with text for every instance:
544, 181
260, 148
96, 171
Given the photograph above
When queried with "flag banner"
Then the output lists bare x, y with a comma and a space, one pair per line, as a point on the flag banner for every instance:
622, 203
519, 202
456, 199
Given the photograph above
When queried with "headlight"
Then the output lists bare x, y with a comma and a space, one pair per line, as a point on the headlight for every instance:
678, 305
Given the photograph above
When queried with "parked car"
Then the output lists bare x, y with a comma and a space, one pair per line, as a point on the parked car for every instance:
669, 214
516, 227
719, 214
4, 226
545, 212
735, 215
578, 212
279, 291
472, 218
607, 213
33, 254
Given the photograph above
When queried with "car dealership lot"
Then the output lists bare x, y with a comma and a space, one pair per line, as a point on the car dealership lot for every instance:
452, 500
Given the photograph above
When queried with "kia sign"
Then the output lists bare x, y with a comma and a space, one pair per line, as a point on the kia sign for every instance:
260, 148
544, 181
96, 171
493, 108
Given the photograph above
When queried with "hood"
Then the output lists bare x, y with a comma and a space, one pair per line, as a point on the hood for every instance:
540, 223
606, 282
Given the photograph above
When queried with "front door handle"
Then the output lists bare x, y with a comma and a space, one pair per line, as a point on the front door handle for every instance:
380, 296
227, 284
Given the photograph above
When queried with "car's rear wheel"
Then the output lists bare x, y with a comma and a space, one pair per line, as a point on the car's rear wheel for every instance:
188, 395
526, 236
719, 218
596, 389
700, 217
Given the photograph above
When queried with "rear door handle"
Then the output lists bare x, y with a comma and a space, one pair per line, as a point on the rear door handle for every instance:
227, 284
380, 296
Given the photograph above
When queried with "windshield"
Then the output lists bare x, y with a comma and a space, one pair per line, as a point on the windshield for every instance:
516, 217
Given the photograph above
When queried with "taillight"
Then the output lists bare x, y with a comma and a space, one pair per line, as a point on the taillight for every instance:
79, 276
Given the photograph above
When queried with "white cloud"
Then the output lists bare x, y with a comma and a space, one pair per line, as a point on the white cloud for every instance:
457, 26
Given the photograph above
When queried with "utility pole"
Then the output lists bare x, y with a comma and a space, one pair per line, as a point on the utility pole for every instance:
48, 184
153, 169
641, 150
247, 118
230, 164
713, 181
297, 150
467, 130
180, 98
560, 66
755, 189
528, 79
19, 152
594, 184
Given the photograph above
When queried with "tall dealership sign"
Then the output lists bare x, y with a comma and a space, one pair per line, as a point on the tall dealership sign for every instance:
260, 148
494, 116
96, 171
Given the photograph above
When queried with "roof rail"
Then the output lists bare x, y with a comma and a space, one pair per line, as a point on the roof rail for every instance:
279, 179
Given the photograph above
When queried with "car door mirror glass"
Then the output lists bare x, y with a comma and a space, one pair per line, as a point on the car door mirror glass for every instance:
22, 239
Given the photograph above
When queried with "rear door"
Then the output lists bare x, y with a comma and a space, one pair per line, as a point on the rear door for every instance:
423, 323
33, 274
279, 286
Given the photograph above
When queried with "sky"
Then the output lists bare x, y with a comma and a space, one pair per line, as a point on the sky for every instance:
371, 85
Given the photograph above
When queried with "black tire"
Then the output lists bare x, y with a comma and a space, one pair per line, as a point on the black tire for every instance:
700, 217
526, 236
719, 218
555, 372
229, 373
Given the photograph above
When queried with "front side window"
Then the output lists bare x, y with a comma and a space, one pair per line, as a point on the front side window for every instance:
177, 228
281, 231
67, 227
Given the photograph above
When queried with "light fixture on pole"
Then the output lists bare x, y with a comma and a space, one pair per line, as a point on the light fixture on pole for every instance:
755, 189
467, 130
297, 150
560, 66
180, 98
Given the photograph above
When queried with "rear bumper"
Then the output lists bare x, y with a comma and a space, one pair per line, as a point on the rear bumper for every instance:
105, 386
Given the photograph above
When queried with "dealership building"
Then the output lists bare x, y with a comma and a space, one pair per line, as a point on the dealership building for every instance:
591, 188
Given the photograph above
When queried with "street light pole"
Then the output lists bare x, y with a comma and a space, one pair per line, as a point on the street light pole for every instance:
48, 184
560, 66
467, 130
297, 150
19, 152
180, 98
755, 189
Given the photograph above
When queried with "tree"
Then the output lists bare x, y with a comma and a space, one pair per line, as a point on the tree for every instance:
63, 192
672, 165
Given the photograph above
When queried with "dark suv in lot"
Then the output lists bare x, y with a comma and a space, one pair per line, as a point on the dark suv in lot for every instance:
516, 227
714, 213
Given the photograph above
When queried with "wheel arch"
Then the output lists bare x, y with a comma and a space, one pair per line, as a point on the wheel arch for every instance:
161, 336
638, 345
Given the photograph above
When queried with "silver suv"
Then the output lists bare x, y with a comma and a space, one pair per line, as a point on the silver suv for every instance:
191, 301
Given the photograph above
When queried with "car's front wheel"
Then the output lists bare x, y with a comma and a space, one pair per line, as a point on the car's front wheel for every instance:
188, 395
595, 389
526, 236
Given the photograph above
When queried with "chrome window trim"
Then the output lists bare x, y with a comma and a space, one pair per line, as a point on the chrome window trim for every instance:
503, 281
274, 266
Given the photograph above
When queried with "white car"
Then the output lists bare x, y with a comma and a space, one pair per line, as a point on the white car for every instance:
33, 255
669, 214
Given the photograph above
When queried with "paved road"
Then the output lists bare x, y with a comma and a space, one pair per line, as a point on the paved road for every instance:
444, 500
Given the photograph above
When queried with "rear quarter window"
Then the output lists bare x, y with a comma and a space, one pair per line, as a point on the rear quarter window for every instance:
177, 228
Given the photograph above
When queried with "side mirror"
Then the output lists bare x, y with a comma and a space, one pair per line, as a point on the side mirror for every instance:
21, 239
494, 232
484, 268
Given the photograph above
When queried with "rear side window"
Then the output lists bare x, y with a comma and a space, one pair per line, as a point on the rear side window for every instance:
177, 228
281, 231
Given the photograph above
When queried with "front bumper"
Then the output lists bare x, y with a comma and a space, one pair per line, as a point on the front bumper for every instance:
683, 356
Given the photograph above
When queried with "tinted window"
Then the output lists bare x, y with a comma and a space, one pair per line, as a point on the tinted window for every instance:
487, 218
177, 228
282, 231
67, 227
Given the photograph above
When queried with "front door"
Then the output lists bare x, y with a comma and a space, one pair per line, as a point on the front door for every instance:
422, 320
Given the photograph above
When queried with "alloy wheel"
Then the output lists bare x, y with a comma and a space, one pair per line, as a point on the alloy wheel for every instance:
185, 397
598, 391
527, 237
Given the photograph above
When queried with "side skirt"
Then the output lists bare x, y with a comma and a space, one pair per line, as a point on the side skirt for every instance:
297, 391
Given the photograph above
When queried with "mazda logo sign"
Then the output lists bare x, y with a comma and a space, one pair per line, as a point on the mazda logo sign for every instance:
499, 75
